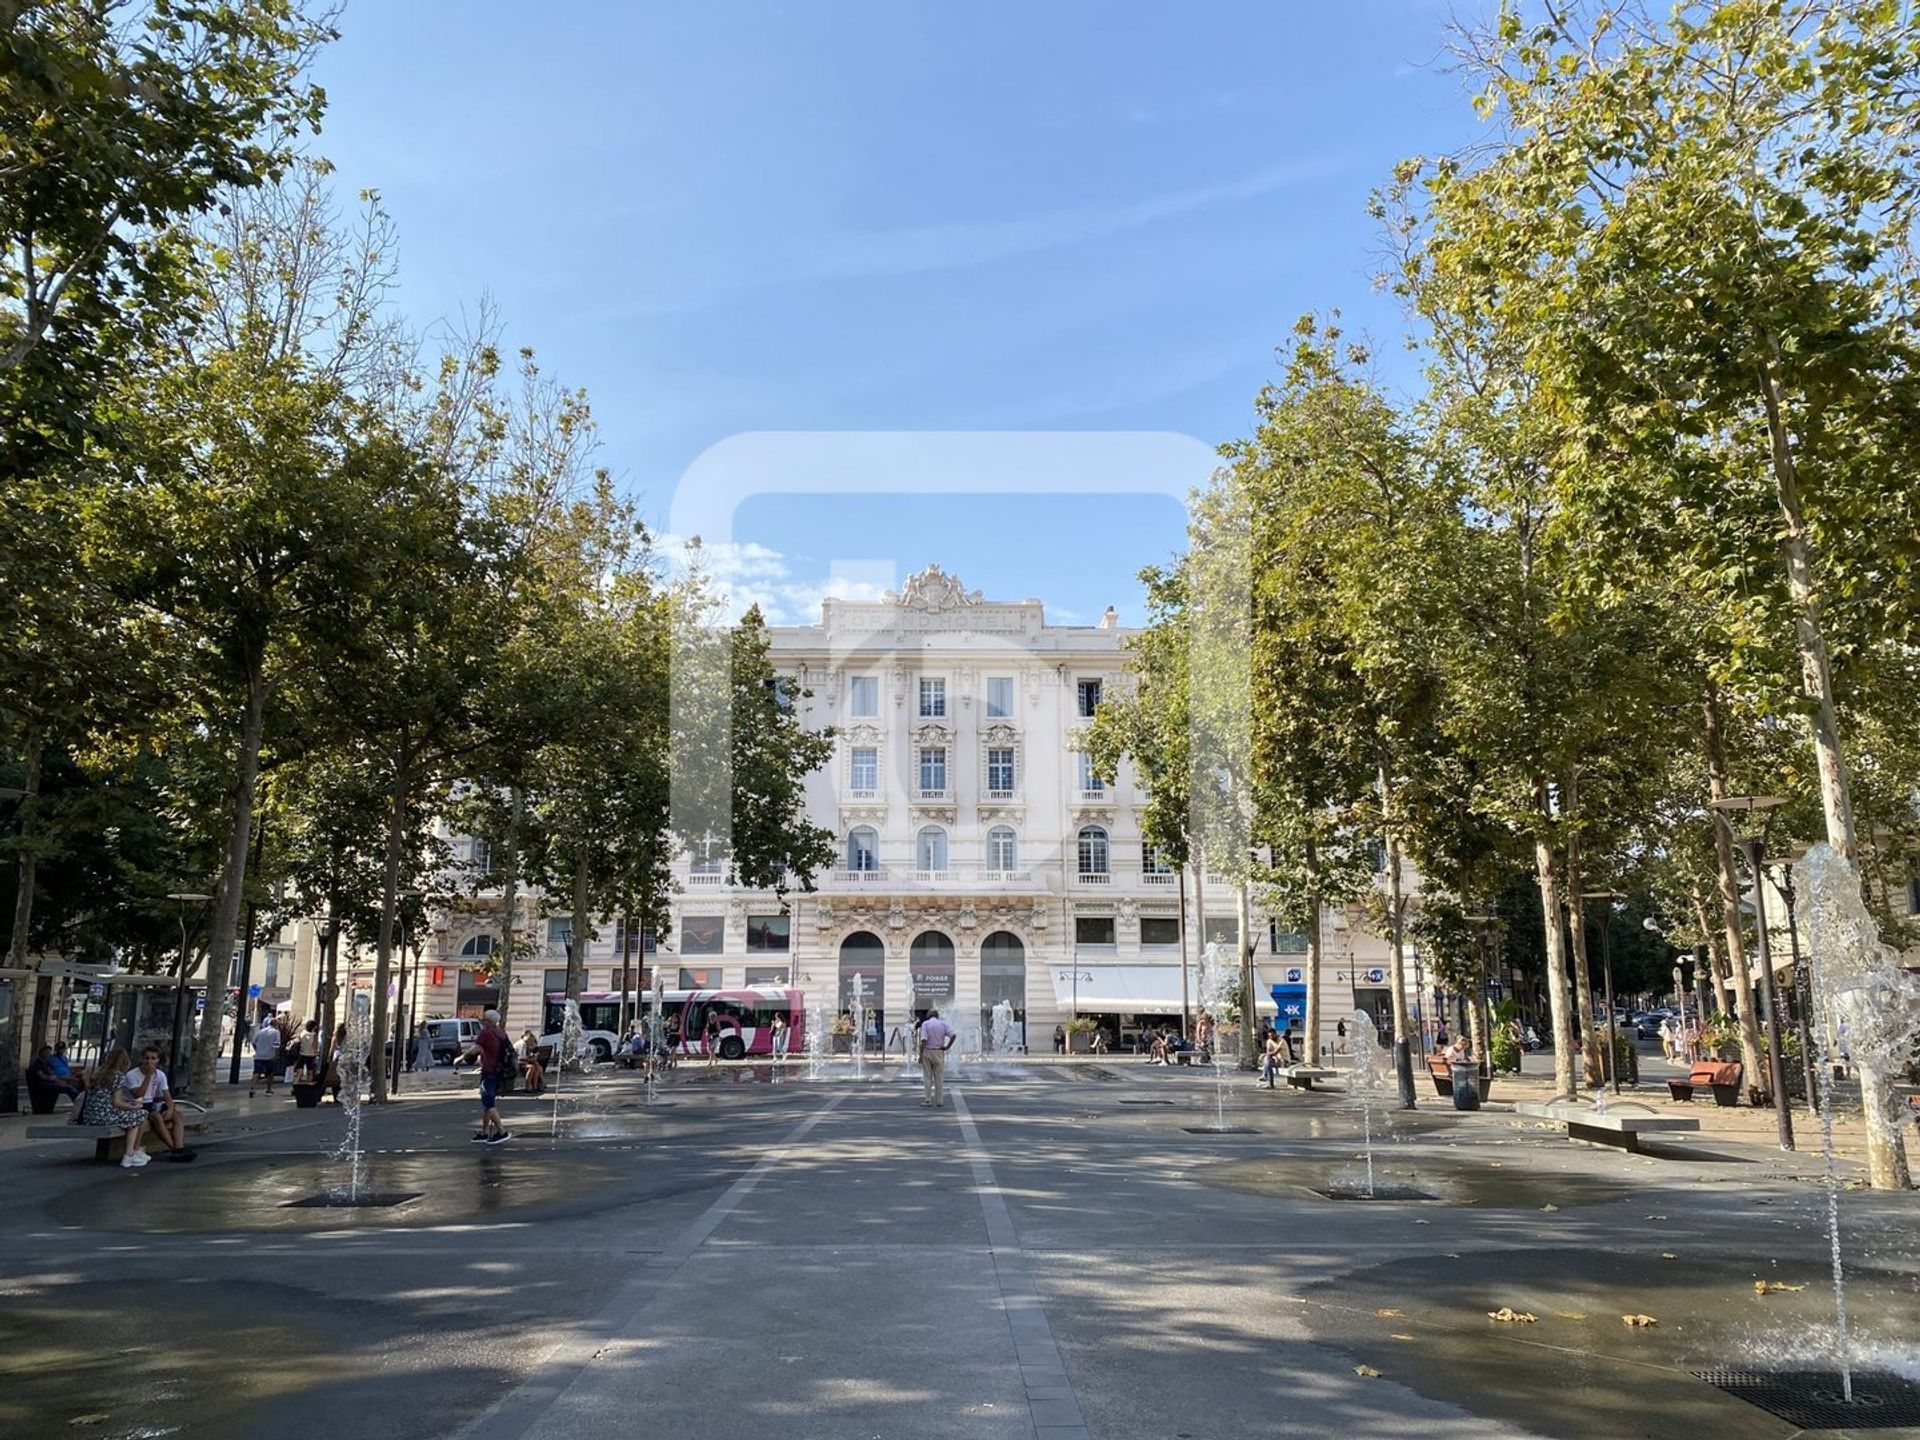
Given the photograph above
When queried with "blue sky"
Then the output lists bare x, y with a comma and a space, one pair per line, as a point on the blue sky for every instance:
735, 217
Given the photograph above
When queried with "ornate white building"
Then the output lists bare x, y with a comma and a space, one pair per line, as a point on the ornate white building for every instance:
979, 859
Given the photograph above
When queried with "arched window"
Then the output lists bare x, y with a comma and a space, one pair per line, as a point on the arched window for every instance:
1003, 849
863, 848
931, 848
1003, 977
930, 971
862, 954
478, 946
1093, 850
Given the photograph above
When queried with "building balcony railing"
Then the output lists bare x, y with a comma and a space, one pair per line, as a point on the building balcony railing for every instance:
860, 793
925, 794
1157, 877
875, 876
1093, 877
1094, 797
961, 876
1003, 794
706, 877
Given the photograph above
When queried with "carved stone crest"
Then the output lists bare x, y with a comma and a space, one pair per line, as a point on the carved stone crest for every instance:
897, 916
967, 920
933, 590
1038, 919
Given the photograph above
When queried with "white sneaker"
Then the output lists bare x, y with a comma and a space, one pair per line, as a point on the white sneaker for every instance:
134, 1159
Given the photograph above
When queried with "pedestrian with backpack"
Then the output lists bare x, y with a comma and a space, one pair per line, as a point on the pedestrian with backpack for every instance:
498, 1066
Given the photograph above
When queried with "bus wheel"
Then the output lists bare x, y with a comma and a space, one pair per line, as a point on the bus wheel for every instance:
732, 1048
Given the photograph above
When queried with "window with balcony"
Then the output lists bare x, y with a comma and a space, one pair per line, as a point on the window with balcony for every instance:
1093, 932
703, 934
933, 699
863, 848
559, 932
863, 697
1003, 849
933, 770
767, 934
999, 697
1221, 930
1156, 930
863, 769
1000, 775
1093, 849
930, 849
706, 861
1087, 698
1090, 781
1153, 860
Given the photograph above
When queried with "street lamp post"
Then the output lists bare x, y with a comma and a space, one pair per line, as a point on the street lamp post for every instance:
1753, 843
1606, 970
185, 898
1802, 989
400, 1023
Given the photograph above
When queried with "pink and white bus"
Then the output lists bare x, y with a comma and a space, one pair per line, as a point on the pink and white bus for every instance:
745, 1015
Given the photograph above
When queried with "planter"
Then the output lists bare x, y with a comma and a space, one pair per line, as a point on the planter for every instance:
1079, 1043
307, 1093
843, 1044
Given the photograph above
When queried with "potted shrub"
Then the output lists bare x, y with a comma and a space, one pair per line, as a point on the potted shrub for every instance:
843, 1035
1080, 1035
307, 1093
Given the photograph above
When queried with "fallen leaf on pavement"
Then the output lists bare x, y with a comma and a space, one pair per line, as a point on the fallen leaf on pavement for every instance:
1400, 1337
88, 1420
1366, 1372
1506, 1314
1656, 1217
1668, 1255
1549, 1208
1640, 1321
1570, 1314
1767, 1287
1389, 1311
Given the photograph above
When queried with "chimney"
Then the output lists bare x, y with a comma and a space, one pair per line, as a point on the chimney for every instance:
1111, 619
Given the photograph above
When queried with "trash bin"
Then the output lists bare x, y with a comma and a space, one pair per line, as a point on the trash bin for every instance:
1466, 1085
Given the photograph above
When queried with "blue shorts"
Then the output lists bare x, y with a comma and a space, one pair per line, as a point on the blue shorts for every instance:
265, 1067
489, 1091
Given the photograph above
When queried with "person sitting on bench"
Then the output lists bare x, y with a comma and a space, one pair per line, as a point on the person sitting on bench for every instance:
43, 1079
147, 1089
102, 1106
531, 1070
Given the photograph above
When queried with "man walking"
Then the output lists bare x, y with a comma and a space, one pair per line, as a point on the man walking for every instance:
498, 1063
266, 1058
936, 1038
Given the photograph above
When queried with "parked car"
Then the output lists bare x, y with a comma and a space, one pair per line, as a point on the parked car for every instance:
450, 1037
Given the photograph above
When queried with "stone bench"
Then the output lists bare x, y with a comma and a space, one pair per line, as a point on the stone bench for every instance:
109, 1141
1301, 1077
1610, 1127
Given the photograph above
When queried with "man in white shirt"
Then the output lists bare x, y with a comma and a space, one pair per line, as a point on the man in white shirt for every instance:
266, 1057
936, 1038
147, 1089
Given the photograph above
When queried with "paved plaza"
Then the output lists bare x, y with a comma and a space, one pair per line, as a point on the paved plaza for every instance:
1067, 1251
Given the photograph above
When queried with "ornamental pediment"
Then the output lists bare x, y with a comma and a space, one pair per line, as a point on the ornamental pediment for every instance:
863, 733
933, 732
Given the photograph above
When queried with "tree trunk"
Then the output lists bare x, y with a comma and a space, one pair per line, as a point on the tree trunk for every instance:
1186, 1010
577, 942
1591, 1059
1312, 860
1546, 873
1396, 944
510, 897
229, 892
389, 910
1715, 972
1886, 1149
1243, 920
330, 975
25, 990
1753, 1054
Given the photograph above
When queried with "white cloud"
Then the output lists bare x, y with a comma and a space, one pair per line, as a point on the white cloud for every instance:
746, 573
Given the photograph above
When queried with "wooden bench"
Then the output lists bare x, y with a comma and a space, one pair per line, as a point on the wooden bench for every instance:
1301, 1077
1441, 1069
1610, 1127
1722, 1079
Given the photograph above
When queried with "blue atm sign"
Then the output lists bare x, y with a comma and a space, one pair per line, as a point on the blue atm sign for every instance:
1291, 1002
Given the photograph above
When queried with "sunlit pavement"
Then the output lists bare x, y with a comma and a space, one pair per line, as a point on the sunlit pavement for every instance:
1066, 1251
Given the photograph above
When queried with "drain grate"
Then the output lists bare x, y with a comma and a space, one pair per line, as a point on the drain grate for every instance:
1379, 1192
341, 1201
1812, 1399
1219, 1129
1146, 1102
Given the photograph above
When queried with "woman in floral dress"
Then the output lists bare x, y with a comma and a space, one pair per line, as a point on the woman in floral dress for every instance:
101, 1106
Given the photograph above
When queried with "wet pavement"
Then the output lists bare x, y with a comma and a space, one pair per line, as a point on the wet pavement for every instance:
1066, 1253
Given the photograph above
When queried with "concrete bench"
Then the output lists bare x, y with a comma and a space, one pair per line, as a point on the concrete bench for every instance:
1301, 1077
109, 1141
1611, 1127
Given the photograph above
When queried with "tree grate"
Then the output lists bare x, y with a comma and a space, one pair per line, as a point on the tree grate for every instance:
1146, 1102
1220, 1129
1812, 1399
340, 1200
1381, 1191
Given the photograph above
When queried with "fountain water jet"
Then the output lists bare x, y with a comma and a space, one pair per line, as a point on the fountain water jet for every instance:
1003, 1027
351, 1061
1218, 975
1865, 995
1371, 1080
859, 1012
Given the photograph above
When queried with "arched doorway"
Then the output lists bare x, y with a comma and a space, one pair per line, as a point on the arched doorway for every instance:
865, 955
1003, 976
931, 969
